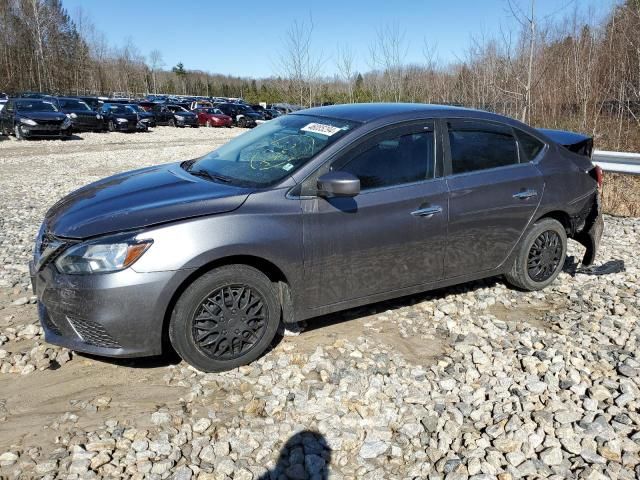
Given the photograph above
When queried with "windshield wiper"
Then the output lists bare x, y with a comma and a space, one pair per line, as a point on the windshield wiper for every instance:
211, 176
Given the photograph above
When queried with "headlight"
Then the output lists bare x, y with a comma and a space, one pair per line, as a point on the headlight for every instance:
72, 115
121, 120
28, 121
86, 258
66, 123
179, 117
98, 117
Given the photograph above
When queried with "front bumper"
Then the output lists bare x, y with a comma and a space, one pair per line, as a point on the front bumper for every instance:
118, 314
44, 131
187, 122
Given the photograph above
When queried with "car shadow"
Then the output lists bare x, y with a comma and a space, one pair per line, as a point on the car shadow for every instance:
397, 303
167, 358
572, 267
305, 455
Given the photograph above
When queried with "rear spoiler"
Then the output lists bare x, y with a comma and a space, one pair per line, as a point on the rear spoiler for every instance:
576, 142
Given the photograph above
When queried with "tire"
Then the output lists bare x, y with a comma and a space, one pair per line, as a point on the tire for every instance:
540, 256
172, 122
17, 131
238, 286
111, 126
242, 123
209, 124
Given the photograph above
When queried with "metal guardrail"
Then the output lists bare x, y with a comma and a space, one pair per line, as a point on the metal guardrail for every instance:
617, 162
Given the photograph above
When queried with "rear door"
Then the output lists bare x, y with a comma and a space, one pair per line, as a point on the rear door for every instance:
493, 194
392, 234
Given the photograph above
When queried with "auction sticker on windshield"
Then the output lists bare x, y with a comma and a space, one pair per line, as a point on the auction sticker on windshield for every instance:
321, 128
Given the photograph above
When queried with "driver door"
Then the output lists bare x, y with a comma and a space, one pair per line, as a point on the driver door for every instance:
390, 236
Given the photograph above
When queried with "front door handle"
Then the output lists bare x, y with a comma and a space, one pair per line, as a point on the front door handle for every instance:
427, 211
525, 194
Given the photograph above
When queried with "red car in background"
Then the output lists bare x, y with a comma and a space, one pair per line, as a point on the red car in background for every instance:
213, 117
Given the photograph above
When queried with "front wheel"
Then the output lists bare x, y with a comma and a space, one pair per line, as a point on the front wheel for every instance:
209, 124
228, 317
242, 123
112, 126
540, 256
172, 123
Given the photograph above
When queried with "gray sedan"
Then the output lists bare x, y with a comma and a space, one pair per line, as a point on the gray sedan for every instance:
317, 211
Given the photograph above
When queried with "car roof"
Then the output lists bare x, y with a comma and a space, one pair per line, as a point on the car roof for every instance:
367, 112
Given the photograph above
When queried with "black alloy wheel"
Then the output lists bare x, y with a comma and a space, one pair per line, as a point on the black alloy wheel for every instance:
226, 318
229, 322
172, 122
539, 257
544, 256
242, 123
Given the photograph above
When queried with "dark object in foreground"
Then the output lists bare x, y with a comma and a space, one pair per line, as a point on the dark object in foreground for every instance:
313, 212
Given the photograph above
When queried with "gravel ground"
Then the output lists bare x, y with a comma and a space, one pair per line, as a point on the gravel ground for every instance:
476, 381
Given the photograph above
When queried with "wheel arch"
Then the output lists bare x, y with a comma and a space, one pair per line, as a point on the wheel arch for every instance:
561, 216
270, 269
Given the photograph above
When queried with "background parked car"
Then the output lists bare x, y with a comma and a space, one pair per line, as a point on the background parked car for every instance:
33, 117
119, 118
81, 115
182, 117
147, 118
200, 104
94, 103
242, 115
213, 117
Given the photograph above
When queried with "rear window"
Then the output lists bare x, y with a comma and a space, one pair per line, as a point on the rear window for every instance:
477, 145
529, 145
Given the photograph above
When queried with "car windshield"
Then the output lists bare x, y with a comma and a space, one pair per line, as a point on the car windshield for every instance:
120, 109
35, 106
73, 105
272, 151
136, 108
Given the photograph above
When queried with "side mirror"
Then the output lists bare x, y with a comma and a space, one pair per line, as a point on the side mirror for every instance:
338, 184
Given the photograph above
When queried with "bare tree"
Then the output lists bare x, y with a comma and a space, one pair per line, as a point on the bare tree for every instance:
344, 62
299, 63
156, 62
388, 53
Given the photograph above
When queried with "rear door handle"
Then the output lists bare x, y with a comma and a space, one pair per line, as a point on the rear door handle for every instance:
427, 211
525, 194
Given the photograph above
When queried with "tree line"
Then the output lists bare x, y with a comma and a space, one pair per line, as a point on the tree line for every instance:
564, 71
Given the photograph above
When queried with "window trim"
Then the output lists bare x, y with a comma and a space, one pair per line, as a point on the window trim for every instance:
448, 164
438, 170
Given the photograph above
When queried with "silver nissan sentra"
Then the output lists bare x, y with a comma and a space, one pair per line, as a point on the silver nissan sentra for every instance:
313, 212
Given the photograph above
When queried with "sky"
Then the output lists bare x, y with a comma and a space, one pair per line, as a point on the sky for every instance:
245, 38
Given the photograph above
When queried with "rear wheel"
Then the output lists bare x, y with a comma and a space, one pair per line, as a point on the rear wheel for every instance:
226, 318
540, 257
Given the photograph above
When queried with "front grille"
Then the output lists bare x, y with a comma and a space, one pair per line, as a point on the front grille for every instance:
93, 333
47, 321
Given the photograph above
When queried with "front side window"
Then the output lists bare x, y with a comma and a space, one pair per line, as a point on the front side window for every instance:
405, 156
272, 151
477, 145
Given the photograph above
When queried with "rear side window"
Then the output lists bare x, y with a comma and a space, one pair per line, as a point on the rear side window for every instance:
394, 159
477, 145
529, 145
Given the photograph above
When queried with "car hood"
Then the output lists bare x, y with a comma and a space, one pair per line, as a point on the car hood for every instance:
42, 116
140, 198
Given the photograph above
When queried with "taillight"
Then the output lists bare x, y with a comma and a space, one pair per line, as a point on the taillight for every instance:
597, 174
